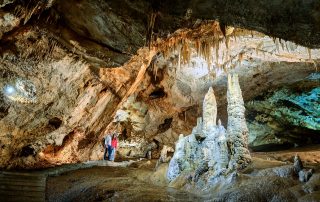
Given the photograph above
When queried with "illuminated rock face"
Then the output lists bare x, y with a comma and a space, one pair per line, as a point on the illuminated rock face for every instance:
53, 107
299, 109
211, 153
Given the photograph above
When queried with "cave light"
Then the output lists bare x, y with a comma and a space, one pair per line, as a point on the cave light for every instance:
9, 90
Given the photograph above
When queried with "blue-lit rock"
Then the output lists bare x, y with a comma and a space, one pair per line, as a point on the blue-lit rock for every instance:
285, 117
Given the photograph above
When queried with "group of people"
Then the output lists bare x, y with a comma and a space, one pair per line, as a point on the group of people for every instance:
110, 145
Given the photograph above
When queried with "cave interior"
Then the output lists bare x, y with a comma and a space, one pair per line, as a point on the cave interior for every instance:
212, 99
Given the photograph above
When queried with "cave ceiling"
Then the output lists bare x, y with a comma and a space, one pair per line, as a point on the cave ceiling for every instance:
122, 27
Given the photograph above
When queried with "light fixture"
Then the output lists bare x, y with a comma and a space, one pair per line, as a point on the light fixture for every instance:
9, 90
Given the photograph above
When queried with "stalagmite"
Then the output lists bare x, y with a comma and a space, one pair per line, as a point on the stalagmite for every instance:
209, 110
174, 169
211, 153
237, 128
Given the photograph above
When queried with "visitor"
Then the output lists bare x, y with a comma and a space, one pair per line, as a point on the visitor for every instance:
107, 147
114, 146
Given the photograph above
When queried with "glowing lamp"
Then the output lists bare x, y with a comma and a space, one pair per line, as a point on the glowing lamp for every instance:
9, 90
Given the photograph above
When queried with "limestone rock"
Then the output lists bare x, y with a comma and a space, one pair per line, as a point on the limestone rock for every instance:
164, 158
305, 175
3, 3
206, 154
209, 110
296, 106
237, 127
8, 22
175, 165
313, 184
297, 164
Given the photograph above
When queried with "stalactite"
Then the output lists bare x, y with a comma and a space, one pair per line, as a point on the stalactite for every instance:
179, 59
240, 57
217, 50
286, 43
277, 45
31, 12
282, 45
185, 52
150, 27
309, 53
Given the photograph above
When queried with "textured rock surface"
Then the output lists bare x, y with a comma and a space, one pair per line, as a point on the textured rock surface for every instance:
209, 110
5, 2
55, 105
237, 128
282, 117
207, 155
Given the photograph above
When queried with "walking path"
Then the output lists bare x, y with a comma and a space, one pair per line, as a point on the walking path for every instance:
31, 185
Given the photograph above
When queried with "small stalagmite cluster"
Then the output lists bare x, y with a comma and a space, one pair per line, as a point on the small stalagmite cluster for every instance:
211, 152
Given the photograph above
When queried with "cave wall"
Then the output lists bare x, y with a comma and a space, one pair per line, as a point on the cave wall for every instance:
63, 104
287, 117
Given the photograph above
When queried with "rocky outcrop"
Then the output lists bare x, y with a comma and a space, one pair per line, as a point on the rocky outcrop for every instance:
211, 153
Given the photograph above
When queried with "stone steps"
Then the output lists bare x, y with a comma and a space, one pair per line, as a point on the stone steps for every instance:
23, 187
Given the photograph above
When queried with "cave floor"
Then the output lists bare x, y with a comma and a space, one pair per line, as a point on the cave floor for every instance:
139, 181
310, 155
134, 183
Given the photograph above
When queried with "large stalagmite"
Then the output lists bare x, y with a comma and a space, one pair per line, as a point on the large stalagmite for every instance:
211, 154
237, 127
209, 110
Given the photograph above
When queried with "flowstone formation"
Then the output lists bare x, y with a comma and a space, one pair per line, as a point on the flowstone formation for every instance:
211, 153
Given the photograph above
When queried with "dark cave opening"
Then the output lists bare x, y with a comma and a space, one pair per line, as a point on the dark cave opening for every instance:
165, 125
55, 122
27, 151
157, 93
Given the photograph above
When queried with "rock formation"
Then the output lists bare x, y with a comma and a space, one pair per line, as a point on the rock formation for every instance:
209, 110
286, 118
164, 158
237, 127
211, 152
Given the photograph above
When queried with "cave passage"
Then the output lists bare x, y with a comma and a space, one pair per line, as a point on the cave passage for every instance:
190, 100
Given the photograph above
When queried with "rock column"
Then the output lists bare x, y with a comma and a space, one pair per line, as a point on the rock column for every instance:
237, 130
